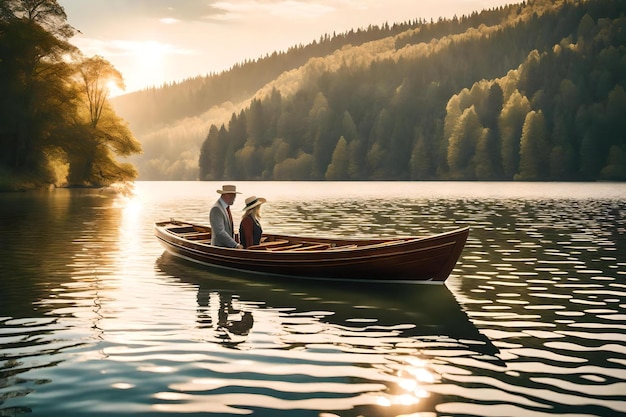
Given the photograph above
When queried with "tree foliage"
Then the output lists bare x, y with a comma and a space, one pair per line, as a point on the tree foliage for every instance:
56, 125
338, 168
527, 92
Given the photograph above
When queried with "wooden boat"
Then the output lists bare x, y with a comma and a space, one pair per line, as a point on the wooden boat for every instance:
429, 259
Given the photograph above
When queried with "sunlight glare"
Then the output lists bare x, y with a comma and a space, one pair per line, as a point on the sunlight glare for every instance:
149, 62
422, 375
383, 401
408, 384
132, 209
113, 89
407, 399
417, 370
157, 369
410, 379
123, 385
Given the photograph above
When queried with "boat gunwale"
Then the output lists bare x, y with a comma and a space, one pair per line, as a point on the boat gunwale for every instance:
393, 243
378, 243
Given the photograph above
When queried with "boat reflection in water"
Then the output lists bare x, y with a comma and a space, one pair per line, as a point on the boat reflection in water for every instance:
320, 346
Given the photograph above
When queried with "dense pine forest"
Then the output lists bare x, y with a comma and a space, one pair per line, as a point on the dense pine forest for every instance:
56, 124
534, 91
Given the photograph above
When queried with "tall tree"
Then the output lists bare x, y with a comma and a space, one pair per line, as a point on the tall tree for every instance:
33, 70
211, 162
348, 128
318, 124
486, 159
92, 154
43, 123
338, 168
490, 107
511, 123
615, 170
533, 148
97, 77
422, 161
356, 159
48, 14
462, 145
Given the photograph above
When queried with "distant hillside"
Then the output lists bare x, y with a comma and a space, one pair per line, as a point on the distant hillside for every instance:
526, 92
173, 120
533, 91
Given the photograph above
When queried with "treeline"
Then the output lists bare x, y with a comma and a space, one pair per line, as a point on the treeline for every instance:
533, 91
56, 125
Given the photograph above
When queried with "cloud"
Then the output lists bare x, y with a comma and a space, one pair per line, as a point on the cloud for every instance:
171, 10
186, 11
112, 48
169, 21
280, 8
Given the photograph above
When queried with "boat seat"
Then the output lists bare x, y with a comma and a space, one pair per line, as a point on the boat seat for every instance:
197, 236
269, 244
314, 247
178, 227
288, 247
391, 242
343, 247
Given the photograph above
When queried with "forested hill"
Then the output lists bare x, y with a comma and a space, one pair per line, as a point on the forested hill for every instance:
171, 121
533, 91
537, 96
192, 97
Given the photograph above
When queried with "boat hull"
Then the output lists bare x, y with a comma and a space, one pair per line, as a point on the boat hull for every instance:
428, 259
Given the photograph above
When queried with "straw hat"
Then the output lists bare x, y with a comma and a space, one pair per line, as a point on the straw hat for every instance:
228, 189
253, 201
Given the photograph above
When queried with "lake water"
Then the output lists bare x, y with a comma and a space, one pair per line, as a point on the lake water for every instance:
95, 320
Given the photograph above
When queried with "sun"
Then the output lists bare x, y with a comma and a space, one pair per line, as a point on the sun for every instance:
113, 89
150, 53
150, 62
143, 62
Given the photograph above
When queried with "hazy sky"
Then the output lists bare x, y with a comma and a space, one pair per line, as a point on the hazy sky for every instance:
155, 41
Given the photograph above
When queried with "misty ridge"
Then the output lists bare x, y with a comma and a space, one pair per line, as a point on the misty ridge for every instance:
532, 91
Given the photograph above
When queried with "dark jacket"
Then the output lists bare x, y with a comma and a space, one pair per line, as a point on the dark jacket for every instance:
250, 231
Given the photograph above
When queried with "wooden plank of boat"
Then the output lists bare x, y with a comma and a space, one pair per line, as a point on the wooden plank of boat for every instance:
429, 258
268, 244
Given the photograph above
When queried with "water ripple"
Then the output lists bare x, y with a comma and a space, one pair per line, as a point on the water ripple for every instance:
94, 320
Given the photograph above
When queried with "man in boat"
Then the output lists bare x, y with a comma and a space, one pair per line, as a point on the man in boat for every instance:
222, 229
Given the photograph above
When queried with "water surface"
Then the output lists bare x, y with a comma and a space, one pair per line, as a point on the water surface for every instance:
96, 320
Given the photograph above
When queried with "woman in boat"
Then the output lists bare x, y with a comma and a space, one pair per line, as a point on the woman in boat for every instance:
250, 227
